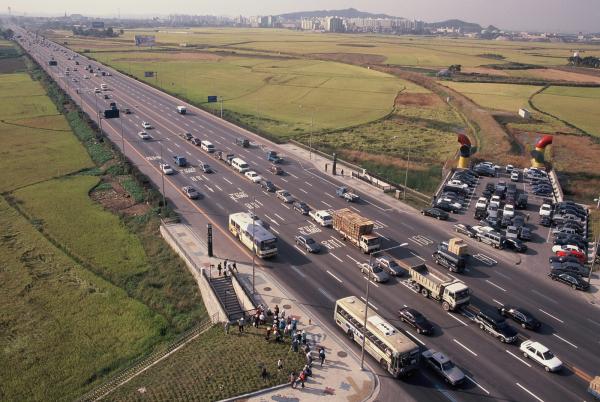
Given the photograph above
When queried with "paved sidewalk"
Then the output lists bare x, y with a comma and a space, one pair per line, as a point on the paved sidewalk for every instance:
339, 379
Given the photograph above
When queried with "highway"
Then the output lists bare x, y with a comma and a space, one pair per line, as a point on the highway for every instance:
496, 371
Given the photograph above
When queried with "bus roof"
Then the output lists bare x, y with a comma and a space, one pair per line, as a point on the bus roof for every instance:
252, 227
386, 332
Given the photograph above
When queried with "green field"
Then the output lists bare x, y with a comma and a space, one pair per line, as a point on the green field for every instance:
217, 374
506, 97
578, 106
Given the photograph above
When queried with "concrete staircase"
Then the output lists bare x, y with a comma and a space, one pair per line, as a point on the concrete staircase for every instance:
224, 290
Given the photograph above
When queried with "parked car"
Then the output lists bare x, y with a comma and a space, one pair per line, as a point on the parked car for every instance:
435, 213
521, 316
301, 207
308, 243
509, 210
389, 265
582, 257
374, 272
416, 320
541, 354
457, 184
444, 366
570, 267
566, 247
448, 207
515, 244
267, 185
565, 258
525, 233
575, 281
465, 229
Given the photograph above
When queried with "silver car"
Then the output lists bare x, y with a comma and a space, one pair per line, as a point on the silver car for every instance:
390, 265
444, 366
375, 272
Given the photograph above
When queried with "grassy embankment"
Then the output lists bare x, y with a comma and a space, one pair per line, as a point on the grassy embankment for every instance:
83, 291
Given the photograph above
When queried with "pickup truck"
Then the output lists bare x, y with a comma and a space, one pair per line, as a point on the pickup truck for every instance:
273, 157
344, 193
322, 217
180, 160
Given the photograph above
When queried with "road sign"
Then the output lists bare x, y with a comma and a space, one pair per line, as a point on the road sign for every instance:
212, 98
148, 74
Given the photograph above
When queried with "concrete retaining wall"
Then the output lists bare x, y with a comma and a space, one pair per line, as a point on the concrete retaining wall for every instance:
245, 301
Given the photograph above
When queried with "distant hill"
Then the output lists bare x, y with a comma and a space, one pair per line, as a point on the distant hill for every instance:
466, 26
346, 13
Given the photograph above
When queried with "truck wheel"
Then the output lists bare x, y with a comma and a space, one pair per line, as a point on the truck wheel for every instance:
383, 364
481, 327
425, 292
526, 355
350, 334
446, 306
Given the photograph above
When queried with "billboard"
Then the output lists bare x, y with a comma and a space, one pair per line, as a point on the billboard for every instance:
148, 74
212, 98
98, 24
144, 40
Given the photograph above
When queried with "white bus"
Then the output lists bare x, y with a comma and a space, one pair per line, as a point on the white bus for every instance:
394, 351
251, 232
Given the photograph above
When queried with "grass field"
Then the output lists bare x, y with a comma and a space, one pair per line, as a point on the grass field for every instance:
63, 326
217, 374
507, 97
578, 106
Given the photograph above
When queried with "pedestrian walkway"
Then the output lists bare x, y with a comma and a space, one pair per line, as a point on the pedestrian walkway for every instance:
339, 379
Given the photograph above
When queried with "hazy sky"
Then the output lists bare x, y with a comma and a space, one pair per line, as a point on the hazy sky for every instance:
549, 15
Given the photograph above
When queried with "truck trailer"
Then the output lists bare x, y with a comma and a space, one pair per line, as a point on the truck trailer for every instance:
359, 230
451, 293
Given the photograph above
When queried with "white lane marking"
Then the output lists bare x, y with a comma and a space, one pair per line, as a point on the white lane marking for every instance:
286, 206
283, 179
303, 190
295, 268
496, 301
477, 384
188, 152
372, 282
327, 295
272, 220
356, 261
299, 249
334, 277
329, 195
370, 304
279, 217
418, 256
336, 257
170, 150
329, 205
407, 225
209, 189
544, 296
220, 189
529, 392
458, 319
493, 284
413, 336
380, 235
308, 183
503, 275
376, 206
273, 230
354, 208
464, 347
565, 341
518, 358
293, 175
550, 315
220, 206
593, 322
224, 178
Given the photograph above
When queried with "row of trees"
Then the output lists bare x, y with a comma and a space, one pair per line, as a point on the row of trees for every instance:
99, 33
7, 33
588, 61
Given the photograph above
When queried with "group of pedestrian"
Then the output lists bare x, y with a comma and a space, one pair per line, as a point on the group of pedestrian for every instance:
227, 268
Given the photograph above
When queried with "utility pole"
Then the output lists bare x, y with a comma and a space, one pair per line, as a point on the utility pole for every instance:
122, 136
162, 174
221, 107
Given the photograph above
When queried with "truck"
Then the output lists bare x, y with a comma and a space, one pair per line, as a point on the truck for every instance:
594, 387
273, 157
242, 142
52, 63
344, 193
181, 109
359, 230
322, 217
180, 160
450, 292
451, 255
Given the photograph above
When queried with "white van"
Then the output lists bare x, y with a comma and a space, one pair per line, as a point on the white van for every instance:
181, 109
207, 146
104, 87
240, 165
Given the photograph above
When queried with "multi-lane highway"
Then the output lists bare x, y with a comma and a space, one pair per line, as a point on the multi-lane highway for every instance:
571, 325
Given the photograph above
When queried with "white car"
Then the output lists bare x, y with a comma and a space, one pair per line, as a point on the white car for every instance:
284, 196
143, 135
495, 200
481, 203
166, 168
146, 125
509, 168
86, 77
97, 90
483, 229
541, 354
458, 184
566, 247
545, 210
190, 192
514, 176
509, 210
253, 176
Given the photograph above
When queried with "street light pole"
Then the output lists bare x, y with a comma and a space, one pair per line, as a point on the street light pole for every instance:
162, 174
122, 136
362, 352
406, 174
253, 240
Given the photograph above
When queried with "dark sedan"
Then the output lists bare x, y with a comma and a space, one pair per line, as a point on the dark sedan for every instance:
575, 281
416, 320
523, 317
435, 213
515, 244
267, 185
448, 207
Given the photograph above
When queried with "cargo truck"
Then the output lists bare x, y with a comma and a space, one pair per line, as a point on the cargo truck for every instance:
451, 293
357, 229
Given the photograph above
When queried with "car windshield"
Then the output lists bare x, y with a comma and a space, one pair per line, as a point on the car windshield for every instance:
166, 166
309, 241
547, 355
377, 269
447, 366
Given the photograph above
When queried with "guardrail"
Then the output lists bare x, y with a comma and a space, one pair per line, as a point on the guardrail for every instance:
556, 187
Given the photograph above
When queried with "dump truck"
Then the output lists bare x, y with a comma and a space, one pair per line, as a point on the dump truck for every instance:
594, 387
451, 293
346, 194
359, 230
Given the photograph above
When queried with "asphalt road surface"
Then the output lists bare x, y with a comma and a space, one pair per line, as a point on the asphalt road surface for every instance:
495, 370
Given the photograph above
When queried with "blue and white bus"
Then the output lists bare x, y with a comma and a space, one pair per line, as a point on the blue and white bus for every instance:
253, 234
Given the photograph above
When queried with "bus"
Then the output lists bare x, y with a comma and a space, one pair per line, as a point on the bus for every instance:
395, 352
251, 231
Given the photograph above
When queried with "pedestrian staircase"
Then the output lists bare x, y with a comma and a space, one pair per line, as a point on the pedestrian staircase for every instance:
226, 294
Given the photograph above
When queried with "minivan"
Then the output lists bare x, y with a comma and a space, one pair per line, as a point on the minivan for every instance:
239, 165
492, 238
207, 146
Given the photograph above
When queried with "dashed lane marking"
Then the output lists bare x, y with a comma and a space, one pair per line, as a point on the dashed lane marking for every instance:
565, 341
329, 205
529, 392
418, 256
477, 384
299, 249
370, 304
329, 195
353, 259
336, 257
464, 347
458, 319
224, 178
304, 191
518, 358
551, 316
295, 268
334, 277
493, 284
327, 295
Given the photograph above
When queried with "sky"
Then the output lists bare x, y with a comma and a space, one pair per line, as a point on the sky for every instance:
538, 15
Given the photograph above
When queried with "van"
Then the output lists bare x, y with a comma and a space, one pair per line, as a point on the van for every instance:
492, 238
207, 146
104, 87
181, 109
239, 165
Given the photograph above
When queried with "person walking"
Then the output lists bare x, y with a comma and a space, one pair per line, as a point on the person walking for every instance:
295, 346
342, 172
303, 337
268, 335
276, 310
264, 373
241, 325
234, 267
302, 378
322, 355
279, 364
227, 327
293, 379
219, 268
309, 359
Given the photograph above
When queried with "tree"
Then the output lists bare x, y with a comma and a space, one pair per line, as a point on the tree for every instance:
8, 34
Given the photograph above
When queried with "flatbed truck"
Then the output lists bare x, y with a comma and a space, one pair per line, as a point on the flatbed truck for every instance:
357, 229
